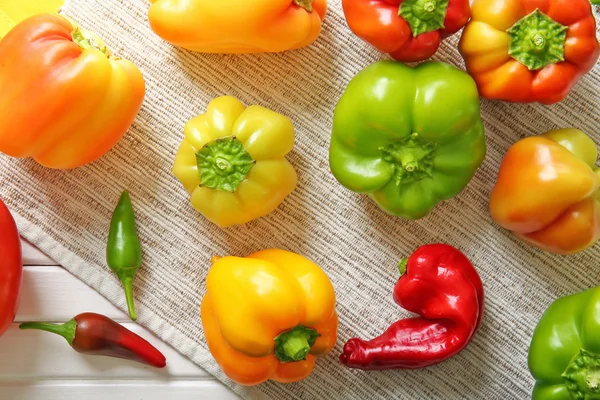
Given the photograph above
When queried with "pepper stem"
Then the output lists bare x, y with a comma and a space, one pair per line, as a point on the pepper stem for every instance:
66, 330
306, 4
223, 164
582, 375
128, 286
411, 158
294, 344
402, 266
424, 15
88, 40
537, 41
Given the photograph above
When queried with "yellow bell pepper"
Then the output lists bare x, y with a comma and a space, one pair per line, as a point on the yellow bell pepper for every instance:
232, 161
14, 11
238, 26
268, 316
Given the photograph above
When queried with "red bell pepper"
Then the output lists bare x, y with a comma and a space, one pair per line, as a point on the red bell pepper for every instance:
441, 285
11, 268
410, 30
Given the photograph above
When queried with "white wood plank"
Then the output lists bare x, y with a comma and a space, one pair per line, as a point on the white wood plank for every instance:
35, 355
202, 390
33, 256
53, 294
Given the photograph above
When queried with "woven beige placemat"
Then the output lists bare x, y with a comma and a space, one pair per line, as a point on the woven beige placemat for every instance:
67, 213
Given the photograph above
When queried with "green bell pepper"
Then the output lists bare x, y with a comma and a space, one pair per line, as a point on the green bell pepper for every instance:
408, 137
564, 356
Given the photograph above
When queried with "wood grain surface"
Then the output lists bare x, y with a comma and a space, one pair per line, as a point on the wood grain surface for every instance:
38, 365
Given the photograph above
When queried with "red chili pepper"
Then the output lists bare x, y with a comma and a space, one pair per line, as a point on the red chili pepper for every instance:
95, 334
443, 287
11, 268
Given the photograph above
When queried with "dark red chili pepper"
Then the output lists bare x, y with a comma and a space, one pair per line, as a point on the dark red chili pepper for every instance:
11, 268
440, 284
95, 334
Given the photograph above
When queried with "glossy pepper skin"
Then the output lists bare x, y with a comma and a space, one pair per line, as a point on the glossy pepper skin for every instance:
232, 161
123, 249
439, 284
529, 50
564, 355
409, 30
95, 334
268, 316
11, 268
236, 26
65, 100
407, 137
548, 191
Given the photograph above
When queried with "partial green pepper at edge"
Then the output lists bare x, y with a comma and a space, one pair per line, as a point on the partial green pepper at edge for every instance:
408, 137
564, 356
123, 250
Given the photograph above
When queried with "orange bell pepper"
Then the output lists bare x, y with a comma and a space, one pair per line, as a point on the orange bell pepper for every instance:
529, 50
238, 26
548, 191
65, 100
268, 316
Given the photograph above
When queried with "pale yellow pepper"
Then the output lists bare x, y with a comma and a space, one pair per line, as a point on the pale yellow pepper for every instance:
232, 161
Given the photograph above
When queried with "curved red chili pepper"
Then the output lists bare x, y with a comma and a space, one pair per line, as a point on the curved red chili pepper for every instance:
443, 287
95, 334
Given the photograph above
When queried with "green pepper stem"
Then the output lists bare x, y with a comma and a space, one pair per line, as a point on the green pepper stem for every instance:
412, 158
223, 164
128, 286
402, 266
296, 347
582, 375
424, 15
294, 344
66, 330
537, 41
86, 41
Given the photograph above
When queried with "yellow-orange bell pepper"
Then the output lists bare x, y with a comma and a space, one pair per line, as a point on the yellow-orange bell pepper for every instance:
547, 191
232, 161
64, 99
238, 26
268, 316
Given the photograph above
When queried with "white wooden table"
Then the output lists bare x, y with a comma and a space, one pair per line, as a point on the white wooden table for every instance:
37, 365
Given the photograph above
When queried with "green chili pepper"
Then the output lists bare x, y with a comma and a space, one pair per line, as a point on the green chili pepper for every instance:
123, 252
